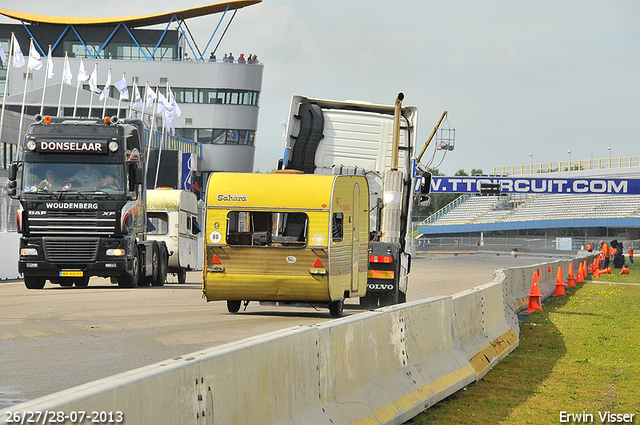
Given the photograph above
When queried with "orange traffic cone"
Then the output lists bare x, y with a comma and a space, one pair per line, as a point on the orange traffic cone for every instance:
571, 280
580, 277
535, 299
559, 283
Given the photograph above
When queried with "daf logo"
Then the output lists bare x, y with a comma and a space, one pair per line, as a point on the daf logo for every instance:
31, 212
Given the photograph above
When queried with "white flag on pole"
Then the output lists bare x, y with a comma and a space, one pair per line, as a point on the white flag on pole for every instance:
83, 75
18, 57
176, 109
50, 74
107, 86
151, 96
66, 73
122, 88
137, 99
35, 60
3, 55
165, 103
93, 81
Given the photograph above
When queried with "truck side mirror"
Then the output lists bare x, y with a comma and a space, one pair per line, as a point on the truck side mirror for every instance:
425, 183
136, 176
10, 189
13, 171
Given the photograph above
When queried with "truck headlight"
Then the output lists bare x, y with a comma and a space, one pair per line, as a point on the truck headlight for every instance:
116, 252
113, 146
28, 251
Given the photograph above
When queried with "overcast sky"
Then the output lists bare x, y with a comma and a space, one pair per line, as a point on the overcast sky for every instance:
517, 78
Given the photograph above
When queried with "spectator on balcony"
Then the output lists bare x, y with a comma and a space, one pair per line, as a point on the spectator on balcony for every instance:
212, 57
241, 59
231, 58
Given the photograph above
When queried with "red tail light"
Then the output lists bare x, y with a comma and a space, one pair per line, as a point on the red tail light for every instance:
380, 259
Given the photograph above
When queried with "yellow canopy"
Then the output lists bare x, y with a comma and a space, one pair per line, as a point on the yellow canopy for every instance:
130, 21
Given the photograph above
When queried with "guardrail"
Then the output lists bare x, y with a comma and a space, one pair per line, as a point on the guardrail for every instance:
378, 367
553, 167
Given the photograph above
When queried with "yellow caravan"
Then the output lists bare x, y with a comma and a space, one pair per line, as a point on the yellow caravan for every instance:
286, 238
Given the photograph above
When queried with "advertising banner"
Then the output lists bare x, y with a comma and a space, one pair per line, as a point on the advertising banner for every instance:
533, 185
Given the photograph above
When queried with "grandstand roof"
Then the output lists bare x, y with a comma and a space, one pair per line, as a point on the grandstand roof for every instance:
130, 21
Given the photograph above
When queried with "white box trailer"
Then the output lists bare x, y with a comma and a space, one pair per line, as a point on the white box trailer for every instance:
174, 214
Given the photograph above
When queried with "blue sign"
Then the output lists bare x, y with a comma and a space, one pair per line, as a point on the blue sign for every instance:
534, 185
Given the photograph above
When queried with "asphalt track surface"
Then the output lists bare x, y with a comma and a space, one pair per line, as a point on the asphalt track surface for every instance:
57, 338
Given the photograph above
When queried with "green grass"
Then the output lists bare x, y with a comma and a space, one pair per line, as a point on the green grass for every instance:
579, 354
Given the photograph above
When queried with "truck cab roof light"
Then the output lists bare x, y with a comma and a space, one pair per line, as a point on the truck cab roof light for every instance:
47, 119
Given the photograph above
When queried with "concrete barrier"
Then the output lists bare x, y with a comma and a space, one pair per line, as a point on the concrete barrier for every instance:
377, 367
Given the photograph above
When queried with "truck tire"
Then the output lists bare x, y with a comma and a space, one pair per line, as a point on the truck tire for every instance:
155, 268
336, 307
161, 276
34, 282
182, 276
233, 306
131, 280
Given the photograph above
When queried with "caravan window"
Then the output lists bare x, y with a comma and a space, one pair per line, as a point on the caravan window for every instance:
159, 221
267, 228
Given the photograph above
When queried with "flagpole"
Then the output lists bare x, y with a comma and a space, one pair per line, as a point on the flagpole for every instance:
75, 103
119, 99
95, 68
6, 85
104, 106
24, 94
46, 77
133, 94
144, 101
162, 135
153, 122
64, 68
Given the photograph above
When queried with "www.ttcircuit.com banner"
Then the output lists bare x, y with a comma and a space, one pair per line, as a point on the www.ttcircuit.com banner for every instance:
441, 184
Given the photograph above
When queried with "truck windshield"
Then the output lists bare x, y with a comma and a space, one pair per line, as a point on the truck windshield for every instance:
77, 177
257, 228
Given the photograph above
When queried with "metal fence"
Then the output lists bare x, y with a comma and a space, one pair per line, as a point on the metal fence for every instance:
504, 243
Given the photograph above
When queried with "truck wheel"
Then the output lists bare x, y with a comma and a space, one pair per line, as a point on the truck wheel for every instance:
34, 282
161, 278
81, 282
182, 276
233, 306
336, 307
131, 281
155, 262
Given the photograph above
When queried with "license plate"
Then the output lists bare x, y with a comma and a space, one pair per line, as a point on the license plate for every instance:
71, 273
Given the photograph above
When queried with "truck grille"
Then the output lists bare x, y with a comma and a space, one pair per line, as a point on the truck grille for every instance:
70, 223
70, 250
